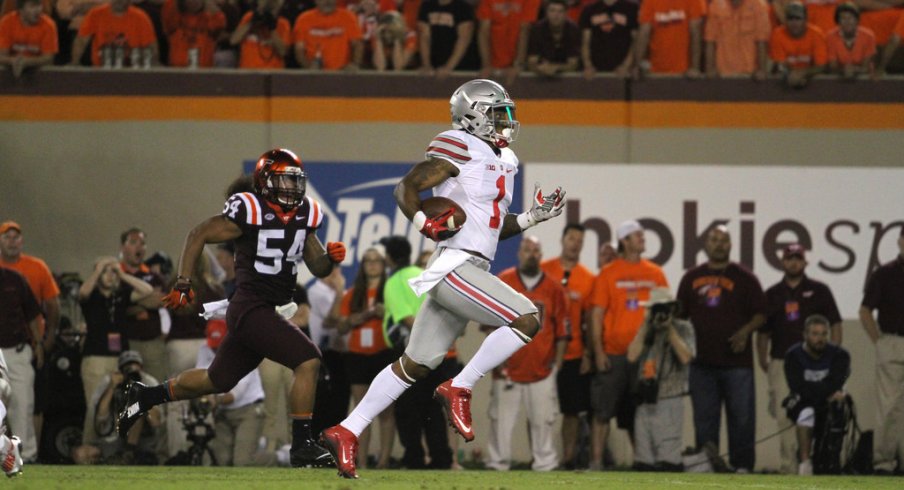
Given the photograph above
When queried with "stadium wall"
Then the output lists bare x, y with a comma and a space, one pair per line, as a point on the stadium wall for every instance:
86, 154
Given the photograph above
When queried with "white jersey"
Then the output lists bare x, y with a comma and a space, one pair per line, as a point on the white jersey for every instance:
483, 188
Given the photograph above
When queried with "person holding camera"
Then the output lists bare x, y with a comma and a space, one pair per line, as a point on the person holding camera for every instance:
816, 371
663, 348
263, 36
139, 445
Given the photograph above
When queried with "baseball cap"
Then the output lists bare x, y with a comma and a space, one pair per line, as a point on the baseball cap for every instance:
9, 225
216, 331
129, 356
626, 228
794, 250
796, 9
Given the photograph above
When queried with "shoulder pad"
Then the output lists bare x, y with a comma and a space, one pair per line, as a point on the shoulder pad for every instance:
449, 147
243, 208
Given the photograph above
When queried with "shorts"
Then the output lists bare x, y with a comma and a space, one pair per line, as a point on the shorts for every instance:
363, 368
611, 392
255, 331
573, 388
468, 293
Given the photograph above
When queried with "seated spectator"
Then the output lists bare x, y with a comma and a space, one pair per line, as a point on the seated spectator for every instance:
238, 413
671, 29
139, 446
445, 31
798, 48
263, 36
394, 45
663, 349
555, 42
576, 8
851, 49
12, 5
816, 371
69, 16
103, 298
28, 38
820, 13
608, 32
192, 28
120, 35
894, 41
737, 32
328, 38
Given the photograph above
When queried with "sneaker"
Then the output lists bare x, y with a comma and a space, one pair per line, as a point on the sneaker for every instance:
805, 468
309, 454
343, 446
456, 403
133, 410
12, 461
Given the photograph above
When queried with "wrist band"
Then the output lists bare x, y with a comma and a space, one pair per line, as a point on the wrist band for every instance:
525, 220
419, 219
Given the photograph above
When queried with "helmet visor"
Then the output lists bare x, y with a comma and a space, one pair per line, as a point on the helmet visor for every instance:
504, 123
288, 186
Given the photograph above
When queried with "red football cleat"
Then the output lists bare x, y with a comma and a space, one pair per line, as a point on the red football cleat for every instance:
457, 404
343, 445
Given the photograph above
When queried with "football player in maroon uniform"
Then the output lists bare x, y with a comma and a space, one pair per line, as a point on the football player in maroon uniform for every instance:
273, 228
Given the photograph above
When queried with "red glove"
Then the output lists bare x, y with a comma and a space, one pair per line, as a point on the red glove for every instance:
336, 251
180, 296
435, 228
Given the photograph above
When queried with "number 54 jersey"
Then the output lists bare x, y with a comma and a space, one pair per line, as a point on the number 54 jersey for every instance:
271, 246
483, 188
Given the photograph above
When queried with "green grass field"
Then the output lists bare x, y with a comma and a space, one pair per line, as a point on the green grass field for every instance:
160, 478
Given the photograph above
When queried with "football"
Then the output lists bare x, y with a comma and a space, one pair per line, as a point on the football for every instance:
434, 206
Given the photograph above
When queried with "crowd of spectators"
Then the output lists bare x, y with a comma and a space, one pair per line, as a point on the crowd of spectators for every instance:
499, 39
615, 344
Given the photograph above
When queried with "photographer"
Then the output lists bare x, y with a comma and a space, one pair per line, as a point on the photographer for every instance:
109, 399
816, 371
263, 36
663, 348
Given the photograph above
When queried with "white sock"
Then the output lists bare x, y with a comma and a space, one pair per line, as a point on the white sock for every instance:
384, 389
495, 349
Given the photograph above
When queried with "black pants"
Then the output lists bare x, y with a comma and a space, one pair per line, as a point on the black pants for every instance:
419, 415
333, 393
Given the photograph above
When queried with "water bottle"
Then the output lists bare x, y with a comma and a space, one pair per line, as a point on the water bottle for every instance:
148, 53
317, 62
135, 58
119, 52
193, 58
106, 56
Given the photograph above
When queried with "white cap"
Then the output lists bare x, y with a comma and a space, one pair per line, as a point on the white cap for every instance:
657, 296
627, 228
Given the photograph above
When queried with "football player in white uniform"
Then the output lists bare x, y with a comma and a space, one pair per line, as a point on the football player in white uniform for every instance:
473, 166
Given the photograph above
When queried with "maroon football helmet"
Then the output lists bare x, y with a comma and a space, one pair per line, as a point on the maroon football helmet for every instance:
280, 178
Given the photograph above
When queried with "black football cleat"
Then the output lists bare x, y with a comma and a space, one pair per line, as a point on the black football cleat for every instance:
133, 410
309, 454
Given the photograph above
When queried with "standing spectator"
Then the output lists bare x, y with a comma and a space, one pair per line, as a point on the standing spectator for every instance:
445, 31
607, 253
798, 48
28, 38
736, 35
143, 323
815, 371
609, 30
555, 42
359, 312
884, 290
331, 404
46, 292
192, 28
238, 413
851, 49
618, 295
393, 45
328, 38
69, 17
788, 303
103, 298
502, 35
528, 378
19, 319
573, 380
422, 417
725, 303
663, 347
263, 37
119, 34
672, 30
894, 41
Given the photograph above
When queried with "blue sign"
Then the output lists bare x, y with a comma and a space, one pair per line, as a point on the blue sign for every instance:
359, 210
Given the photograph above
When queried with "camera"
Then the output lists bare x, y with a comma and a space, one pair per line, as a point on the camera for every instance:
648, 391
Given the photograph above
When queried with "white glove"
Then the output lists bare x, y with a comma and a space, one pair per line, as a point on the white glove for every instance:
542, 207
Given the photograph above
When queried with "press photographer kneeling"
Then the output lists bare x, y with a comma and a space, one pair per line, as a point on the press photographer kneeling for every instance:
663, 349
140, 444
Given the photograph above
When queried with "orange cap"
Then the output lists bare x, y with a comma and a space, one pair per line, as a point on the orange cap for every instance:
216, 331
9, 225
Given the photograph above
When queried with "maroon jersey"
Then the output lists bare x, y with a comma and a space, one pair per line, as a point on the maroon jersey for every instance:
271, 246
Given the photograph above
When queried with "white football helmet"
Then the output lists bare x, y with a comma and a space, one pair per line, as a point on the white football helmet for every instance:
484, 109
